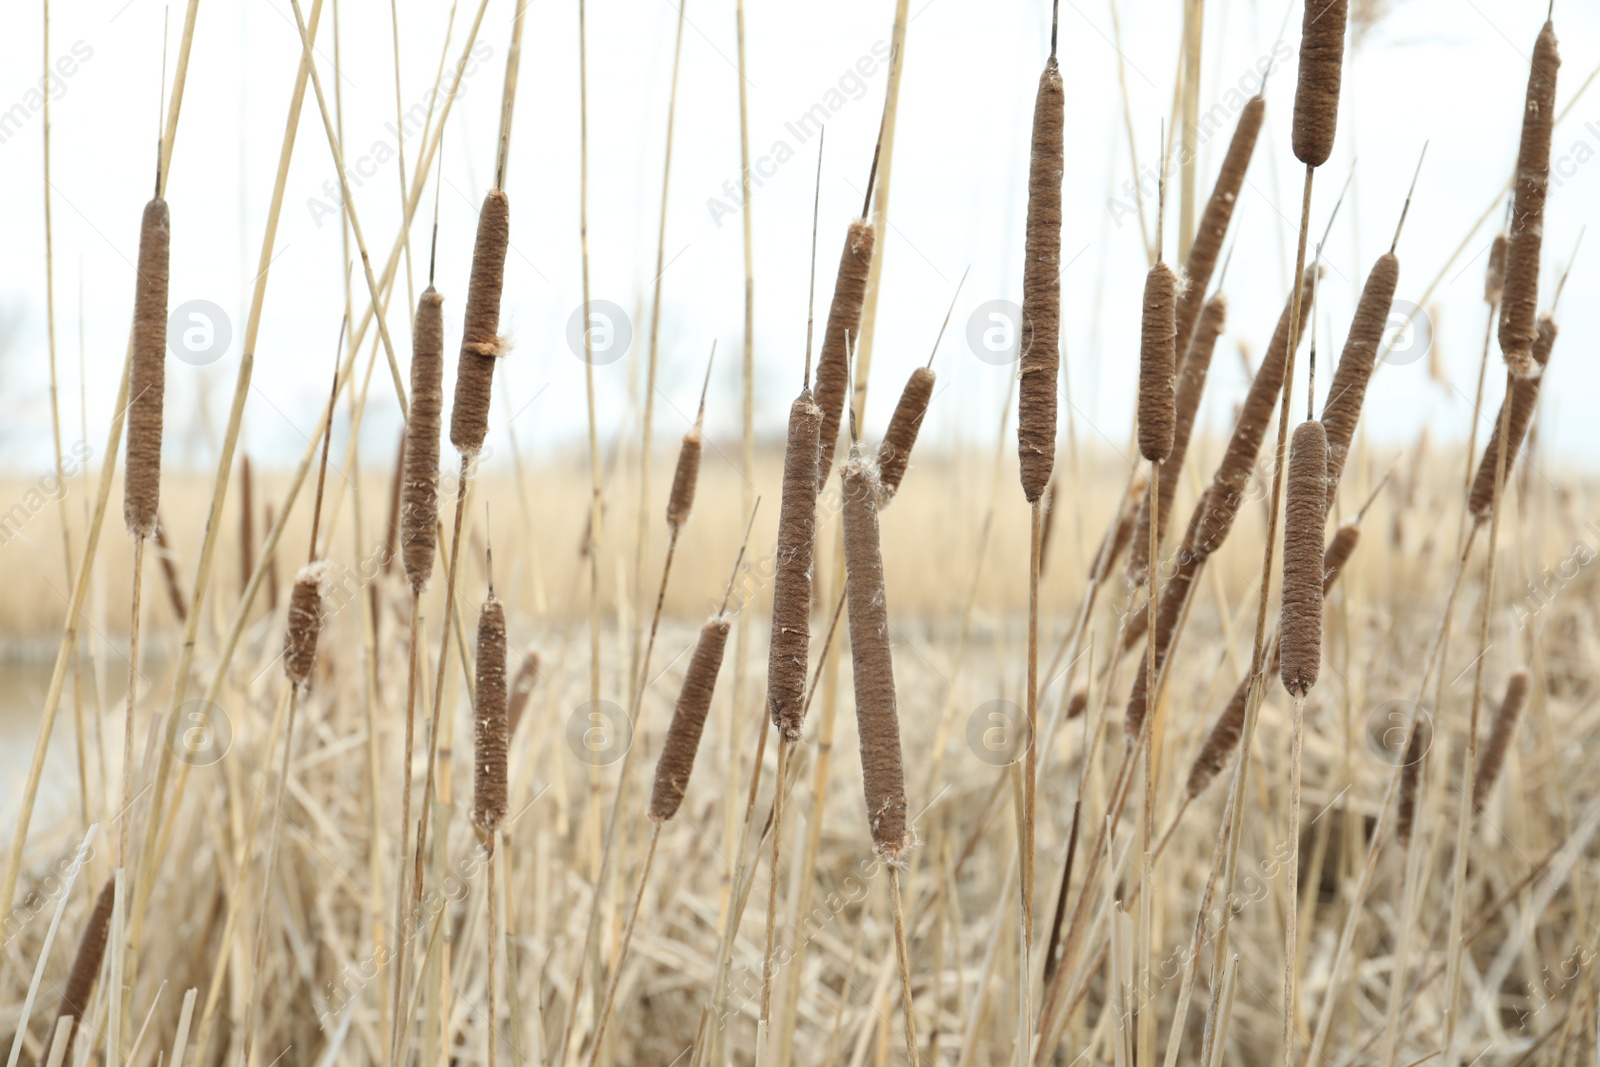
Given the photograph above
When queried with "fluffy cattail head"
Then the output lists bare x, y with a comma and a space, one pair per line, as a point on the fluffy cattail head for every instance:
147, 382
688, 720
877, 714
684, 477
489, 718
1493, 759
85, 967
481, 343
789, 650
1494, 278
1524, 399
304, 625
844, 325
1040, 335
1316, 96
1518, 331
419, 491
1305, 515
1157, 340
895, 451
1342, 409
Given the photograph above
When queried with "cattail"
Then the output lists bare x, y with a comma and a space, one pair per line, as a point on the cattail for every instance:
684, 477
1168, 611
1340, 549
304, 625
148, 377
877, 718
1040, 335
688, 719
521, 690
1305, 515
1316, 97
1047, 527
1505, 725
1410, 777
1349, 387
1157, 337
1227, 488
1523, 398
169, 572
85, 968
1122, 533
844, 323
481, 343
895, 451
1211, 230
1078, 703
490, 719
790, 648
1494, 278
419, 510
1518, 331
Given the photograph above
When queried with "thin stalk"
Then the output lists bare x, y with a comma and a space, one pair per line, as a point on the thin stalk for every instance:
906, 1003
622, 950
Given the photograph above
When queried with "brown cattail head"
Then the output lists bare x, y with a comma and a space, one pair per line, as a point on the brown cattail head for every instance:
1316, 97
1220, 743
1523, 398
1157, 339
877, 716
1518, 331
1305, 515
1227, 488
688, 719
1213, 227
1410, 777
1122, 534
1494, 278
481, 343
521, 689
895, 451
85, 967
304, 624
490, 720
1493, 759
1338, 553
1168, 611
1078, 703
684, 478
419, 508
789, 651
1040, 335
147, 382
1348, 390
844, 325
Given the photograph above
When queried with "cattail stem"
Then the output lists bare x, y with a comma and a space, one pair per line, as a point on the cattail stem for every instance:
622, 949
489, 945
906, 1003
1031, 760
126, 828
402, 934
764, 1024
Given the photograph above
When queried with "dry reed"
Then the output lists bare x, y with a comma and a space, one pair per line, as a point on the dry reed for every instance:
1303, 569
481, 343
142, 478
1040, 334
85, 968
1505, 726
1518, 330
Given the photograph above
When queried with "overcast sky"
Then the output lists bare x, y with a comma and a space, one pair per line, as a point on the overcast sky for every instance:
1449, 71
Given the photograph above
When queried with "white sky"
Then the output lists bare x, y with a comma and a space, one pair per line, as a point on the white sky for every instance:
1452, 71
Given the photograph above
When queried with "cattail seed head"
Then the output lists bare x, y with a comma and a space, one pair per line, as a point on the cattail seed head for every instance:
147, 381
1122, 534
85, 968
1078, 703
1157, 339
1220, 743
877, 716
304, 625
684, 478
1168, 611
1410, 777
1316, 96
895, 451
1040, 335
1518, 331
481, 343
521, 689
688, 719
1339, 551
1494, 278
1348, 390
1213, 226
490, 720
789, 651
1493, 759
1524, 399
844, 326
1305, 515
419, 507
